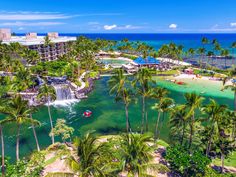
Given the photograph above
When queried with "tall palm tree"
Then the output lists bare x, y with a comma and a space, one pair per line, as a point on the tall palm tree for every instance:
47, 41
119, 86
191, 52
178, 120
213, 111
225, 54
193, 102
23, 79
162, 106
232, 115
142, 81
135, 154
224, 144
231, 75
2, 151
201, 52
233, 46
217, 47
31, 56
48, 93
91, 154
17, 111
33, 109
210, 54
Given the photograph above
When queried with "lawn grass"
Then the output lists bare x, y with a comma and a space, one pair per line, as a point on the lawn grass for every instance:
51, 160
229, 161
170, 72
162, 143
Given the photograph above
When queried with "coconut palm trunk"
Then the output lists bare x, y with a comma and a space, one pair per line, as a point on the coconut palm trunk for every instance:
35, 134
222, 162
3, 153
183, 134
50, 117
143, 114
234, 126
18, 142
127, 118
156, 126
235, 100
191, 132
146, 117
209, 142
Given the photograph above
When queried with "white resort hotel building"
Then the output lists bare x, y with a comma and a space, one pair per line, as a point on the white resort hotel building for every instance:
34, 42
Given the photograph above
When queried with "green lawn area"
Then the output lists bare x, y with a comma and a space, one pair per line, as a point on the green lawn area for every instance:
162, 143
170, 72
51, 160
230, 161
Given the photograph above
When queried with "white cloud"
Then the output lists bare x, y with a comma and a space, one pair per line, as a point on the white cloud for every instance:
21, 28
93, 23
32, 16
26, 15
110, 27
124, 27
173, 26
233, 24
21, 24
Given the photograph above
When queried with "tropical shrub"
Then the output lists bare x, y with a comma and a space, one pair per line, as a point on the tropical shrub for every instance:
179, 159
26, 168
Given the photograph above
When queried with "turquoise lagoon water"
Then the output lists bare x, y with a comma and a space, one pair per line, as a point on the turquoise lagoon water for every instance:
108, 117
114, 62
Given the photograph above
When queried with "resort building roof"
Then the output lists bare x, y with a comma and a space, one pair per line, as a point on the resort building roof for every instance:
37, 40
146, 61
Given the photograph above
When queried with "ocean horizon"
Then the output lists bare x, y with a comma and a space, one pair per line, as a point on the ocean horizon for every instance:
156, 40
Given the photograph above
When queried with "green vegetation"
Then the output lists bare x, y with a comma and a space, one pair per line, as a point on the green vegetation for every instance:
184, 163
195, 124
230, 161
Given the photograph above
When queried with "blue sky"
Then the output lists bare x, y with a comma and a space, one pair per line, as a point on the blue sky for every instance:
119, 16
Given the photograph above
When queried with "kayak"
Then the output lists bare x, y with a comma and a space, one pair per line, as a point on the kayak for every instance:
87, 113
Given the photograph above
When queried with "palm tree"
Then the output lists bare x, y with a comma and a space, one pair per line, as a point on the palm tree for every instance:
201, 52
33, 109
224, 144
233, 46
213, 111
162, 106
193, 102
31, 56
232, 114
135, 154
225, 54
178, 120
191, 52
17, 111
119, 84
217, 47
2, 151
231, 74
142, 81
48, 93
47, 41
91, 161
23, 79
210, 54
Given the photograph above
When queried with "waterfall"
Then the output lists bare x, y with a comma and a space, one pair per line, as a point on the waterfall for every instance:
40, 81
63, 92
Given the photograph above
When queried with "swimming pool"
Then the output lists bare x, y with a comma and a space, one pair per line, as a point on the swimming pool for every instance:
115, 61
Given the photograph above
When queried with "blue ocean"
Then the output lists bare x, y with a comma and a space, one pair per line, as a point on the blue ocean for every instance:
157, 40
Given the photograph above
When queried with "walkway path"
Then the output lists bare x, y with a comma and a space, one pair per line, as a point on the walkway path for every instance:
83, 84
106, 75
